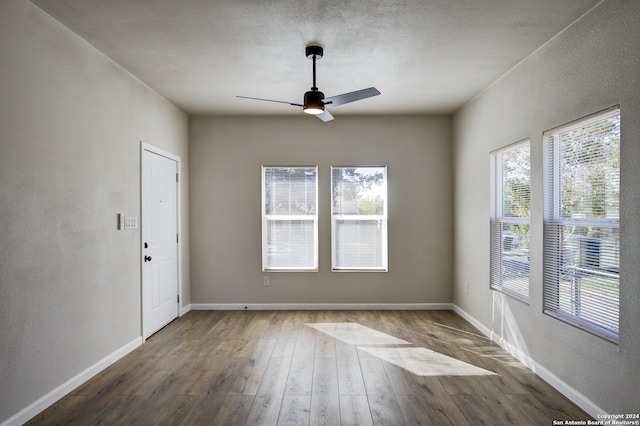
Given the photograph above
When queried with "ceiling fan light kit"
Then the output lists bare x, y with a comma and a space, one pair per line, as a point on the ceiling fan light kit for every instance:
314, 100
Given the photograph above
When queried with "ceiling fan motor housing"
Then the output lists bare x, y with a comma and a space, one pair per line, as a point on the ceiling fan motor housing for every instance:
313, 97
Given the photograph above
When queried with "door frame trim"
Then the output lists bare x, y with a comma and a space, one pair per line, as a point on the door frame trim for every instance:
158, 151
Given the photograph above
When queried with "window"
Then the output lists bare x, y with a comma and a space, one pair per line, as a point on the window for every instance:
582, 223
289, 219
511, 194
359, 218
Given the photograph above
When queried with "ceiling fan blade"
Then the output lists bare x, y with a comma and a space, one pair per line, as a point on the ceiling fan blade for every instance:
345, 98
325, 116
270, 100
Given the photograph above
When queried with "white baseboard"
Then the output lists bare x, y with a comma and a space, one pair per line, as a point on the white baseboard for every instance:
319, 306
474, 322
573, 395
185, 309
576, 397
41, 404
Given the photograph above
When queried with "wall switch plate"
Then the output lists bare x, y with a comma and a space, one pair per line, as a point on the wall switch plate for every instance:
131, 222
127, 222
265, 281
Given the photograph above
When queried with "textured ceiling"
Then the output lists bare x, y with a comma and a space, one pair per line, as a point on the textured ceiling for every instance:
425, 56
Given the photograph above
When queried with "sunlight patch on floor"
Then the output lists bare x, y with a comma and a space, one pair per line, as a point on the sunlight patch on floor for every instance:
417, 360
353, 333
425, 362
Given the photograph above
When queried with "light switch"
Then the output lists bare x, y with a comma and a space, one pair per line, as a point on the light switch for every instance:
127, 222
131, 222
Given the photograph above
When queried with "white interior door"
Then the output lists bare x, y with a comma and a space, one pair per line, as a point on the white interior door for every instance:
159, 241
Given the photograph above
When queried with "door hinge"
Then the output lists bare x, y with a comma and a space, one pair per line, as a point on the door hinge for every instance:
178, 297
177, 177
177, 238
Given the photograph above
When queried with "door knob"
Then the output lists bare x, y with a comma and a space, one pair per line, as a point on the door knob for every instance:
147, 258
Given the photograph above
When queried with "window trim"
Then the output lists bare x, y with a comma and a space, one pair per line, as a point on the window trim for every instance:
553, 222
380, 218
497, 219
265, 219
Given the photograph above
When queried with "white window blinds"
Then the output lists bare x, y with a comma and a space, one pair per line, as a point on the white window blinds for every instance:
359, 218
582, 225
289, 218
510, 220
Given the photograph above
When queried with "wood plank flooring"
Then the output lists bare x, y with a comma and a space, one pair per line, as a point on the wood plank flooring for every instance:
315, 368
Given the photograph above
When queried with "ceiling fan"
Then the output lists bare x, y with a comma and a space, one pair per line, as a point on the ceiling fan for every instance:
314, 100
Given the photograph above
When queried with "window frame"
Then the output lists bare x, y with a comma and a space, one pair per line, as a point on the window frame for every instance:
556, 246
267, 218
382, 220
498, 220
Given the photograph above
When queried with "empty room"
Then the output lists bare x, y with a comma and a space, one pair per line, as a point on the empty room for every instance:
297, 212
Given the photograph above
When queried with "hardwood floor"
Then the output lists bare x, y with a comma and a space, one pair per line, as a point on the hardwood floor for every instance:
315, 368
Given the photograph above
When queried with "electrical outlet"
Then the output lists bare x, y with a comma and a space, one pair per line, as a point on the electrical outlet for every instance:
265, 281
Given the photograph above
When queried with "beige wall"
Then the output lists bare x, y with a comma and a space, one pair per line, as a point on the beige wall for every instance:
225, 156
592, 65
71, 122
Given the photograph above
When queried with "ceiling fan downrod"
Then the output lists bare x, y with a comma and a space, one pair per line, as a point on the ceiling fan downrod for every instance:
313, 53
